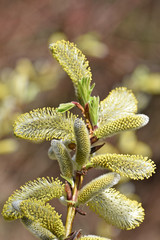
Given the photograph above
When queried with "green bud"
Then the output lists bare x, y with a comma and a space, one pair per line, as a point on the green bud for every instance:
63, 107
64, 159
94, 109
82, 143
84, 90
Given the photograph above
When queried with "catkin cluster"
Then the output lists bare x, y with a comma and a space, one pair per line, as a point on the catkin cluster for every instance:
74, 144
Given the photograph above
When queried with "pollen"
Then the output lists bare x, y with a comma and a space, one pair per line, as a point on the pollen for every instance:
43, 189
116, 209
96, 186
132, 166
132, 122
45, 124
45, 215
72, 60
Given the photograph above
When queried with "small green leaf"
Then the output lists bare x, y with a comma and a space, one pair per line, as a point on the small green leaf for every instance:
63, 107
94, 109
70, 180
84, 90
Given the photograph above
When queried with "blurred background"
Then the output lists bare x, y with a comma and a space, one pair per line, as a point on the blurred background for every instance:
121, 40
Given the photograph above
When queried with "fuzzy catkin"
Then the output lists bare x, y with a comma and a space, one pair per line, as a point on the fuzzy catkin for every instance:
119, 103
63, 157
45, 124
43, 189
92, 237
96, 186
116, 209
45, 215
72, 60
82, 143
37, 229
132, 166
131, 122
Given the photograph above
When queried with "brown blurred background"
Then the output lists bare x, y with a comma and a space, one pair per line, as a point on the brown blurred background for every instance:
127, 35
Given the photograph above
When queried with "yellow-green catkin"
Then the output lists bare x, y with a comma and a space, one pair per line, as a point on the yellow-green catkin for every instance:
37, 229
116, 209
43, 189
45, 124
72, 61
130, 122
119, 103
132, 166
96, 186
51, 154
43, 214
63, 157
9, 212
82, 143
92, 237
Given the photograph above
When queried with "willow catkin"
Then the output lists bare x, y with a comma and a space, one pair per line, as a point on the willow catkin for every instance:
82, 143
